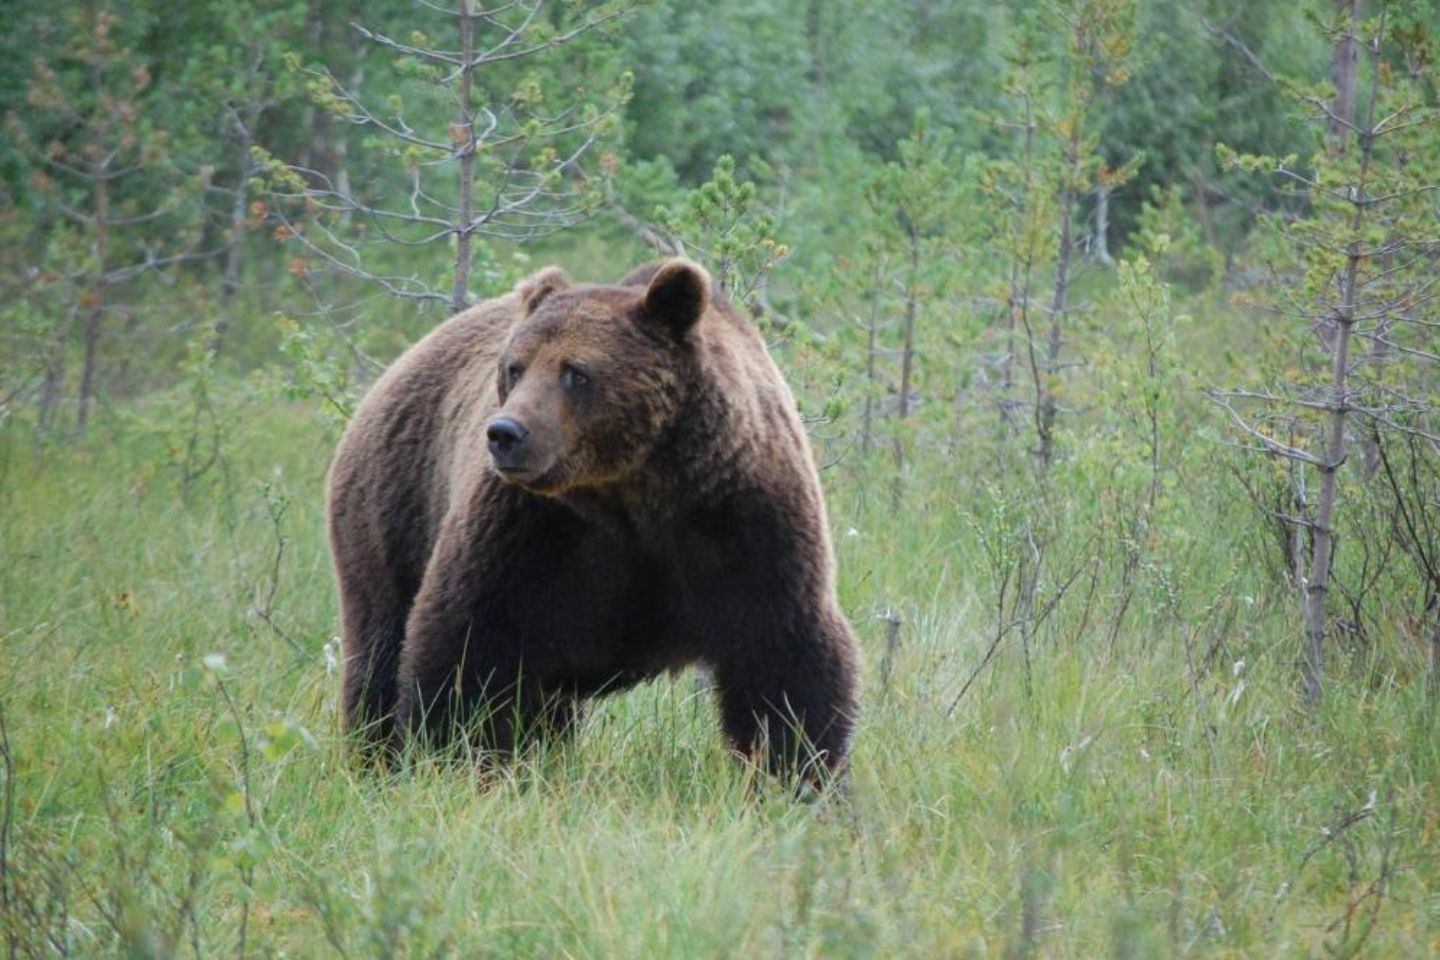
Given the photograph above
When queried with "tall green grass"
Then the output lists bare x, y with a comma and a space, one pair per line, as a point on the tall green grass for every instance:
179, 786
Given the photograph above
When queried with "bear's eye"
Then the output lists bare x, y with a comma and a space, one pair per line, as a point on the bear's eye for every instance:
573, 377
513, 373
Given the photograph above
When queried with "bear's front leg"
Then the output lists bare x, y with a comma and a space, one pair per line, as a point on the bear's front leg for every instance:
373, 639
457, 680
461, 675
788, 697
454, 661
491, 706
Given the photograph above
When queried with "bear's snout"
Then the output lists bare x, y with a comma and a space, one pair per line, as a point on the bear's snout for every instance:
507, 442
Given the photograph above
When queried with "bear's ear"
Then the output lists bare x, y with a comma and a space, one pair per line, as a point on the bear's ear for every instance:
534, 289
677, 296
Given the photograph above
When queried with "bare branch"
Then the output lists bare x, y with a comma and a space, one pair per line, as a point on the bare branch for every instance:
1270, 444
420, 53
152, 262
1255, 61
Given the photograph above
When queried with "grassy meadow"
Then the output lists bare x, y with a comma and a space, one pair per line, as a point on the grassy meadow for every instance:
175, 783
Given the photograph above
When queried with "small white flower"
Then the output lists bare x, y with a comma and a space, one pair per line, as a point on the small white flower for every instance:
332, 655
851, 532
1144, 755
1237, 668
111, 717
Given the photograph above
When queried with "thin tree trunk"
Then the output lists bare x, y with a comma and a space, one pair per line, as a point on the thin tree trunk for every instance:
1432, 679
240, 201
1102, 226
907, 360
912, 309
54, 378
815, 43
460, 291
96, 301
1299, 542
342, 141
1342, 73
1201, 193
1047, 406
1007, 368
1317, 589
234, 244
1020, 270
867, 434
311, 117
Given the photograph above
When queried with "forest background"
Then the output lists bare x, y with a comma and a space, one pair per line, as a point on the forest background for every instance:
1114, 325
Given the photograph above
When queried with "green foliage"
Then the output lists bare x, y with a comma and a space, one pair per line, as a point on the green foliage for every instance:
711, 81
1352, 266
477, 136
1144, 382
920, 189
319, 370
196, 421
1033, 196
1166, 233
723, 223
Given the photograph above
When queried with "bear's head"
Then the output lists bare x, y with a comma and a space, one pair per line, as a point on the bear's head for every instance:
593, 376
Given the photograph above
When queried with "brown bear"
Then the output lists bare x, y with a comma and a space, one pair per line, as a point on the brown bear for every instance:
562, 492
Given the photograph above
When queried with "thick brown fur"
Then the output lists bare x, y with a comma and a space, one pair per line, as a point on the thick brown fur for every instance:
652, 502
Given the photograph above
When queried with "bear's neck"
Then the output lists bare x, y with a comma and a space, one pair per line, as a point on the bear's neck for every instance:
699, 458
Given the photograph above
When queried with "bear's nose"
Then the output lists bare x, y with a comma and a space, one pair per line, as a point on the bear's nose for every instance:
506, 437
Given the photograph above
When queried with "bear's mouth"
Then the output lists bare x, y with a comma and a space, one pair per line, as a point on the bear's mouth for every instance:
513, 473
526, 477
